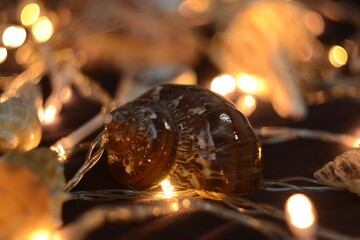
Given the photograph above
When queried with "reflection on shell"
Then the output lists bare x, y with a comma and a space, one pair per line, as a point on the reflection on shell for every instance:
31, 192
20, 129
343, 172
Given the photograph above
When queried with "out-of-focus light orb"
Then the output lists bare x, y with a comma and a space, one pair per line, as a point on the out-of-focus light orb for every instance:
14, 36
357, 143
3, 54
246, 104
314, 22
250, 84
223, 84
338, 56
40, 234
48, 115
29, 14
42, 29
300, 211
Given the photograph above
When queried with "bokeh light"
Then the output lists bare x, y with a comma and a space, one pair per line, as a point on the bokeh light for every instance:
29, 14
246, 104
14, 36
42, 29
338, 56
223, 84
250, 84
48, 115
300, 211
3, 54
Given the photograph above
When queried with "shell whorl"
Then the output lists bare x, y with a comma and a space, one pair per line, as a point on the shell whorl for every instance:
20, 129
141, 142
210, 145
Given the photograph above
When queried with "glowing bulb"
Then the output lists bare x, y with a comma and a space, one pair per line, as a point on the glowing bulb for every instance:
29, 14
3, 54
357, 143
59, 149
338, 56
40, 234
167, 188
14, 36
250, 83
42, 29
223, 84
300, 215
48, 115
246, 104
174, 207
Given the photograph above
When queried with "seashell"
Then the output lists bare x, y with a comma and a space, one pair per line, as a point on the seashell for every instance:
343, 172
186, 133
31, 192
20, 129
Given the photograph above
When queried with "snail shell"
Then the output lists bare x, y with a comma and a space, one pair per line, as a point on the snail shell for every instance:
20, 129
192, 136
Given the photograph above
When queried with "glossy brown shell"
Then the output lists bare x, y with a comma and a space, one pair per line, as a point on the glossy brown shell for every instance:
196, 138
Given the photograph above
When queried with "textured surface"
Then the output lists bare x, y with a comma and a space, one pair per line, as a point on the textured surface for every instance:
343, 172
188, 132
20, 128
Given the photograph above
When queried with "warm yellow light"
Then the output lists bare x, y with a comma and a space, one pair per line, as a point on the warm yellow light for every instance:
42, 29
59, 149
14, 36
40, 234
48, 114
167, 188
250, 83
357, 143
314, 22
174, 206
3, 54
338, 56
246, 104
29, 14
300, 215
223, 84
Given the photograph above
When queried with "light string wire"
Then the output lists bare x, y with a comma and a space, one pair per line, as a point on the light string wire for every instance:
235, 208
90, 160
96, 217
242, 207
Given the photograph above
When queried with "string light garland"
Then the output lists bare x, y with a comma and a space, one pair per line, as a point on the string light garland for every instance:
35, 38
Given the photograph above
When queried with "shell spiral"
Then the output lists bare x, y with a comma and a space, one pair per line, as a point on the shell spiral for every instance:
20, 128
192, 136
